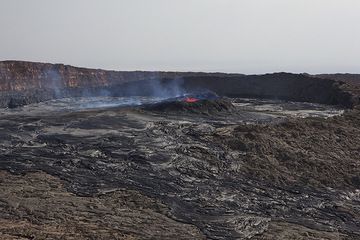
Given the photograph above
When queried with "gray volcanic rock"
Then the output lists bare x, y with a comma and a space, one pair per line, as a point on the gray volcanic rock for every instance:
284, 86
354, 79
207, 107
290, 179
113, 214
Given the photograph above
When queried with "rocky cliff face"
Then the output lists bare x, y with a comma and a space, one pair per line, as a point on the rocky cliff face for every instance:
26, 82
20, 76
284, 86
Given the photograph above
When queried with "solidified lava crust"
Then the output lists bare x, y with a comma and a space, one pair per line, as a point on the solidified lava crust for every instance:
178, 170
207, 107
269, 181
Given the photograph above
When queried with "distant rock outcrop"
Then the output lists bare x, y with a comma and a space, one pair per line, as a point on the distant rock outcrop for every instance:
344, 77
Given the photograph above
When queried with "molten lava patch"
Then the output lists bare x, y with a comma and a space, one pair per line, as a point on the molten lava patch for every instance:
190, 100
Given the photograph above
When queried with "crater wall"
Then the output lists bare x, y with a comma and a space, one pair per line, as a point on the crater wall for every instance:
23, 83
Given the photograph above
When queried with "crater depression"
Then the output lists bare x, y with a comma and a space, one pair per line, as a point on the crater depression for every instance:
152, 155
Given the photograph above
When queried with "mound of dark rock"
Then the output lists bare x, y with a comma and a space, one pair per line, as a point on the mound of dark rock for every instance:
19, 99
208, 107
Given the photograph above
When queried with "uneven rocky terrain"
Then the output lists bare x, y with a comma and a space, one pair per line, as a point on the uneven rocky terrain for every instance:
213, 169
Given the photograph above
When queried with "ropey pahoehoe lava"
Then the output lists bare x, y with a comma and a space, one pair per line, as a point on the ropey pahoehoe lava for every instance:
93, 154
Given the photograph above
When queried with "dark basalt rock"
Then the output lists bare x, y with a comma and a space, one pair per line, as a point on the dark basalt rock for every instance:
14, 103
285, 180
15, 99
207, 107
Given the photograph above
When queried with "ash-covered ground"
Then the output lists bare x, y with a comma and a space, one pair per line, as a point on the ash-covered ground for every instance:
148, 168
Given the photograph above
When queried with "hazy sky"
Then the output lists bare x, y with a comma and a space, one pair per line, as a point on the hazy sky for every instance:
247, 36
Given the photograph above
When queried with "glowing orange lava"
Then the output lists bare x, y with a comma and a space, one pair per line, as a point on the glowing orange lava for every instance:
191, 100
